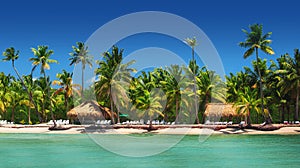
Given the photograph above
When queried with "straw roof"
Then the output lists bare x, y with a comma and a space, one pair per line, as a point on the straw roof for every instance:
89, 109
220, 109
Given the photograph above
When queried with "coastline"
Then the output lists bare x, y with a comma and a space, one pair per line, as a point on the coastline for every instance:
187, 130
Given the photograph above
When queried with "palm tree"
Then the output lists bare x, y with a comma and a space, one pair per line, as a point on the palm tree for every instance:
81, 55
247, 103
67, 86
5, 81
210, 88
292, 72
255, 40
234, 84
192, 42
14, 97
147, 101
42, 58
113, 77
12, 55
173, 82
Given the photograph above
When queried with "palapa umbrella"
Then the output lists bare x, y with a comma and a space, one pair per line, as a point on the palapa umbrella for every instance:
90, 111
220, 110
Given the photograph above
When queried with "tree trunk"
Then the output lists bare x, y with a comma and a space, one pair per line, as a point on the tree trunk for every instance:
196, 100
13, 114
48, 94
82, 83
297, 104
288, 107
267, 117
112, 109
248, 119
27, 90
29, 120
282, 113
150, 124
176, 109
66, 103
195, 92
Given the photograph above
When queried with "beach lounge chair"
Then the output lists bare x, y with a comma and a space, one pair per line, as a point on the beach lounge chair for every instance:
264, 123
142, 121
296, 122
242, 123
50, 122
285, 122
229, 123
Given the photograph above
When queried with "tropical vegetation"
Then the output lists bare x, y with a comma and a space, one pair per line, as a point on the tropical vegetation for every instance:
266, 92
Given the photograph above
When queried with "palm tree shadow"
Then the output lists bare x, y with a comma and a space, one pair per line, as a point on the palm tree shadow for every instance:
94, 129
234, 131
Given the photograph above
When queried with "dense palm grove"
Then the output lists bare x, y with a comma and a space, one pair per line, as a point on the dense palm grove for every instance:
266, 92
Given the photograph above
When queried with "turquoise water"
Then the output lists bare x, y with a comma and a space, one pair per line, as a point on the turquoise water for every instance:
45, 150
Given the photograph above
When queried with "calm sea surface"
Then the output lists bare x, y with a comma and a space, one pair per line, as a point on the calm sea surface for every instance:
45, 150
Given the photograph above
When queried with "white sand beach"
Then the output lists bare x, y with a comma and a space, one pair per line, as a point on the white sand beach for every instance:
43, 129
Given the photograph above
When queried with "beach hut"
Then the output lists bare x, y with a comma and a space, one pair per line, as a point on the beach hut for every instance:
89, 112
214, 111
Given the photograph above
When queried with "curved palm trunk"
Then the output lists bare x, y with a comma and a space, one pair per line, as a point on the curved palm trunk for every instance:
28, 92
267, 117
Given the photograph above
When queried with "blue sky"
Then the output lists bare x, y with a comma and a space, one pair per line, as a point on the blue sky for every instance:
60, 24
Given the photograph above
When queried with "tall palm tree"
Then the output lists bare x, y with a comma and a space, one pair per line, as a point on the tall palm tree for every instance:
67, 86
80, 54
255, 40
113, 77
192, 42
42, 58
173, 83
292, 82
12, 55
280, 83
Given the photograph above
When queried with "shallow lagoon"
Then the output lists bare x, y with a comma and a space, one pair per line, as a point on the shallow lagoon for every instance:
50, 150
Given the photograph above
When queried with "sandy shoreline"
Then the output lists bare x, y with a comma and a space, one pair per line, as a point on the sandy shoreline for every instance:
43, 129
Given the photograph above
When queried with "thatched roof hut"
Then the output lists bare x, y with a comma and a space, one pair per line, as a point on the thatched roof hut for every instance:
220, 110
89, 110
